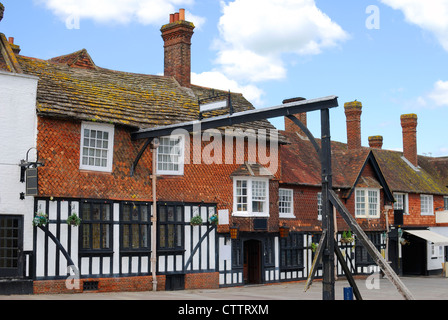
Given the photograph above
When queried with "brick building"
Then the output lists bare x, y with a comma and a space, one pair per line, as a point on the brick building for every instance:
86, 121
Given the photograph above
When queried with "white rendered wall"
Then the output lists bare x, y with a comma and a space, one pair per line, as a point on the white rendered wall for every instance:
18, 133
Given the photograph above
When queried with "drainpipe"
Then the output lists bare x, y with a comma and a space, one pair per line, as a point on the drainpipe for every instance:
154, 146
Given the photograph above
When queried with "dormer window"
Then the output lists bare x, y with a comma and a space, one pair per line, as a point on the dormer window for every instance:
97, 145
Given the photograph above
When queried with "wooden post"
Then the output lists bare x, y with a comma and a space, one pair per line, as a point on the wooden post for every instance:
328, 290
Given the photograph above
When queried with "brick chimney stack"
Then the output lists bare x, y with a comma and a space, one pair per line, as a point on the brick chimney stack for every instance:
409, 125
291, 126
353, 112
376, 142
177, 38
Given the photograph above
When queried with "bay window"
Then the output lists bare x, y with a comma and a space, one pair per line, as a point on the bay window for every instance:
251, 197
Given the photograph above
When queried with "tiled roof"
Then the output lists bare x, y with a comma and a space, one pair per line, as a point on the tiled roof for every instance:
73, 86
301, 165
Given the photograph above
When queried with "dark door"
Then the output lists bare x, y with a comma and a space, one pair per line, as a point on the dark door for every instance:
414, 256
252, 262
11, 246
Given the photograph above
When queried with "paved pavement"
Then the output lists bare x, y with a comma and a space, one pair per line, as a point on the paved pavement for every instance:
423, 288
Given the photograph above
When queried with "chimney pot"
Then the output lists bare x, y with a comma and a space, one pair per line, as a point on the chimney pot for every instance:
353, 111
409, 125
176, 17
11, 40
182, 14
376, 142
172, 18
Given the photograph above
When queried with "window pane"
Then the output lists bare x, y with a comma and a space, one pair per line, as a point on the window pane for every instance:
135, 236
96, 236
126, 234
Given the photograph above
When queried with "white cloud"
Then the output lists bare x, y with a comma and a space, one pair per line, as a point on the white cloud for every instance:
439, 94
254, 34
120, 11
436, 98
217, 80
428, 15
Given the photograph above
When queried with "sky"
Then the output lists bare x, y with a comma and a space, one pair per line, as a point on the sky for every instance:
389, 54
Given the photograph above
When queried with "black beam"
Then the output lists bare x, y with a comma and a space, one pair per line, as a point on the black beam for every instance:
241, 117
347, 272
328, 283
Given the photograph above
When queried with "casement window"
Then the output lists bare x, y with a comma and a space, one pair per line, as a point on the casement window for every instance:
170, 155
170, 227
135, 224
367, 203
426, 204
401, 202
285, 203
445, 203
96, 226
97, 145
251, 197
291, 252
319, 206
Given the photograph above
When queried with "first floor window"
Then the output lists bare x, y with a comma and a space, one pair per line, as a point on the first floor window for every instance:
96, 227
97, 145
251, 197
426, 204
135, 227
445, 202
171, 227
367, 203
170, 155
401, 202
285, 203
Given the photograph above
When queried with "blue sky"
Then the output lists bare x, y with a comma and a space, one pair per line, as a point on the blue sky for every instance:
389, 54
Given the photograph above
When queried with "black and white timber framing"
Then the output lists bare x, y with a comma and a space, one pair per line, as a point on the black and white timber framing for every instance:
201, 249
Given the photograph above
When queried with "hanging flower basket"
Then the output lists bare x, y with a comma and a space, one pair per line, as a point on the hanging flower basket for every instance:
74, 220
196, 220
347, 237
40, 219
213, 219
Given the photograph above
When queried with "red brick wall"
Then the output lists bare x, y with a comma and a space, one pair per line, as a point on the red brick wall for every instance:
202, 281
59, 146
129, 284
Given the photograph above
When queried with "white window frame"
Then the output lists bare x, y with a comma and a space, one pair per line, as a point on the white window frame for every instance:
363, 203
161, 150
250, 197
403, 203
319, 206
109, 147
286, 203
426, 205
445, 203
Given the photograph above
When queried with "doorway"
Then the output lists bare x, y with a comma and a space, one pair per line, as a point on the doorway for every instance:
414, 256
252, 262
11, 246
